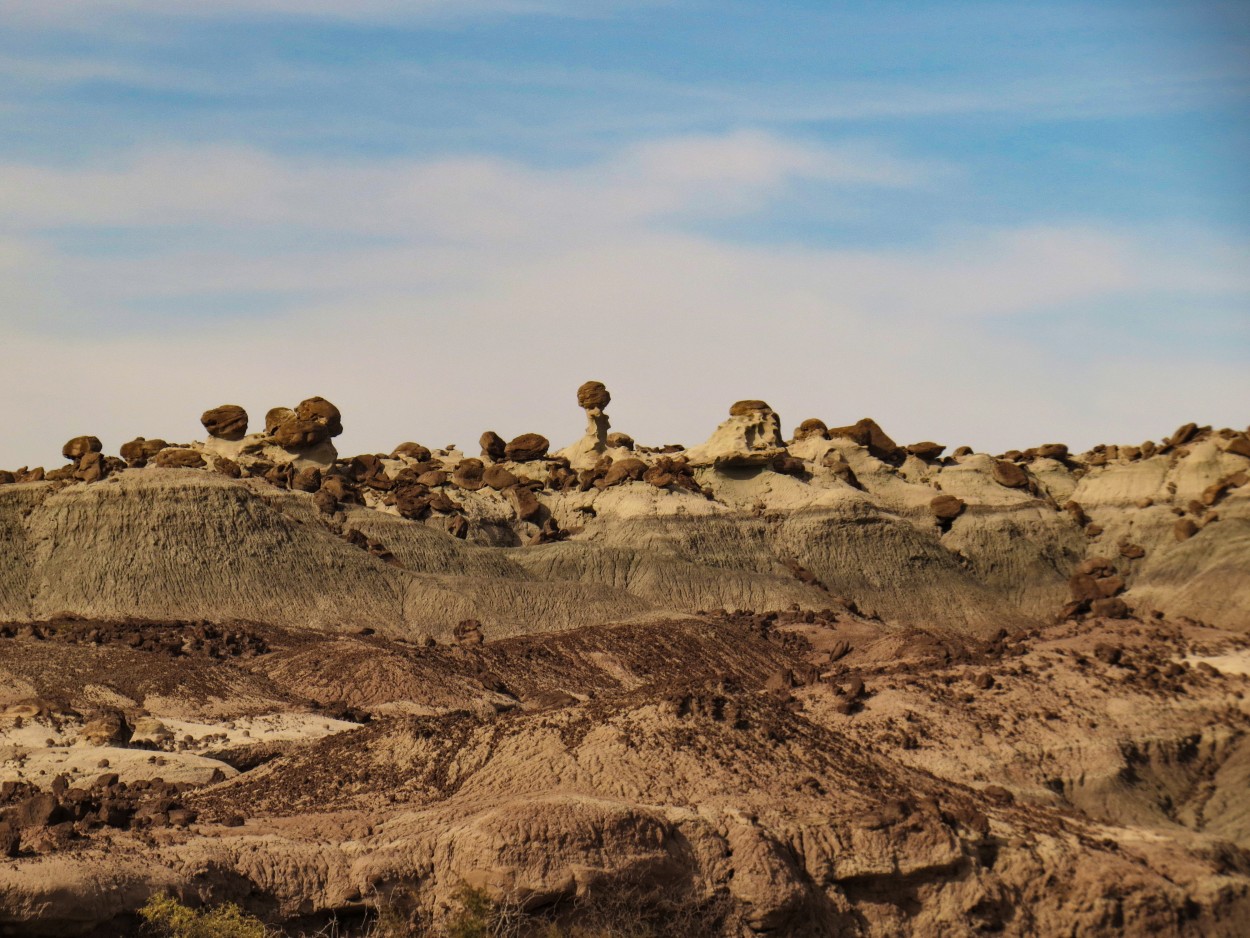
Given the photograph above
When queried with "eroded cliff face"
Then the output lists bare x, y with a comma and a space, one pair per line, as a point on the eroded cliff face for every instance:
416, 541
807, 686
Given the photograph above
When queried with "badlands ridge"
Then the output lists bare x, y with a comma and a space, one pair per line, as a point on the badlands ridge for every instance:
816, 684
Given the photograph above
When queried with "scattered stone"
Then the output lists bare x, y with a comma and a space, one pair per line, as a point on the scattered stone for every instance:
1184, 529
620, 441
524, 502
1132, 551
498, 478
1057, 451
468, 474
624, 470
413, 451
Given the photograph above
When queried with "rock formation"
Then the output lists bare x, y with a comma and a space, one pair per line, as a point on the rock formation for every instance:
750, 438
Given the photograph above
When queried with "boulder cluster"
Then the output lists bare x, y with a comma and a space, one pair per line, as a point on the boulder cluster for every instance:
1095, 587
34, 820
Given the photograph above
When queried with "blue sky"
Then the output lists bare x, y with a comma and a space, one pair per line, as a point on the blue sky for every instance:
987, 222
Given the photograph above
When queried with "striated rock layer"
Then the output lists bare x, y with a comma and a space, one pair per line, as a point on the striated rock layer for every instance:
996, 693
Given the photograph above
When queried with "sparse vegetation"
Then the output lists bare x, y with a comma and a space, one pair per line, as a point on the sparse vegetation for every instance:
169, 918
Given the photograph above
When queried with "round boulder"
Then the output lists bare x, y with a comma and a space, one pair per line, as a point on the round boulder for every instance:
80, 446
527, 447
227, 422
593, 395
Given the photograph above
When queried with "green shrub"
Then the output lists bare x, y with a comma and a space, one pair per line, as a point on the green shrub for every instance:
172, 919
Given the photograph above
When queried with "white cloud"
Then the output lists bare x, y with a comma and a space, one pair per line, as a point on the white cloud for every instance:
501, 287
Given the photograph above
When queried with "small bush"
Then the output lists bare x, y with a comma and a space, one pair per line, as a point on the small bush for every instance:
171, 919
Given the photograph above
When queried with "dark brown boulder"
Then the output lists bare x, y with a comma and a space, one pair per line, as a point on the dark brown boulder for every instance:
1112, 607
743, 408
962, 451
527, 447
468, 474
458, 526
275, 417
412, 501
228, 467
433, 478
1053, 451
1184, 529
593, 394
498, 478
442, 503
138, 451
414, 451
298, 433
39, 810
30, 475
307, 479
493, 446
227, 422
1084, 588
323, 413
524, 502
620, 441
946, 507
1184, 433
91, 468
927, 451
868, 433
789, 466
659, 476
625, 470
340, 488
811, 427
1008, 474
1239, 446
468, 632
80, 446
1132, 551
1148, 449
177, 458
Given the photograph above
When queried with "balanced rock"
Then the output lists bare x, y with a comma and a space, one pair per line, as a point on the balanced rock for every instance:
593, 395
227, 422
527, 447
321, 412
946, 507
80, 446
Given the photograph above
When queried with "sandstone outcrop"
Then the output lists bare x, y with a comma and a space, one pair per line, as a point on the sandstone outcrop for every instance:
750, 438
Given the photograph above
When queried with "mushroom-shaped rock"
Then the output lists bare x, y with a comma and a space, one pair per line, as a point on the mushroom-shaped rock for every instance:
227, 422
593, 395
527, 447
80, 446
868, 433
750, 437
493, 446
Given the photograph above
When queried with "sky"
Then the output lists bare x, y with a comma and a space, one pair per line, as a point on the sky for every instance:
986, 223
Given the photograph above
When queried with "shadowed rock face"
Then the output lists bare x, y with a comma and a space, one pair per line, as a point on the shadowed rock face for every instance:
1004, 693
